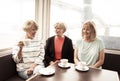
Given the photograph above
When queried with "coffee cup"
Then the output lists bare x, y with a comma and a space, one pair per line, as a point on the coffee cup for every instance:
82, 64
26, 43
64, 62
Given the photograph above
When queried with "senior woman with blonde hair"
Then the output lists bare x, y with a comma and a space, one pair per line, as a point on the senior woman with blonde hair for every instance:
29, 52
89, 49
59, 46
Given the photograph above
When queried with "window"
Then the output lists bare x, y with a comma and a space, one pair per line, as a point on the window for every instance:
70, 12
13, 13
107, 17
105, 13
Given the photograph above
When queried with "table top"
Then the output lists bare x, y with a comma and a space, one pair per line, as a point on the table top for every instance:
71, 74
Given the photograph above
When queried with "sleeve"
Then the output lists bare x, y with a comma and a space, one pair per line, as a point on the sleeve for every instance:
102, 46
39, 60
14, 54
48, 52
71, 52
42, 51
77, 44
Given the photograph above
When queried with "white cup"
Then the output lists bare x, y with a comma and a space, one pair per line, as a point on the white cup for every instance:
64, 62
26, 43
82, 64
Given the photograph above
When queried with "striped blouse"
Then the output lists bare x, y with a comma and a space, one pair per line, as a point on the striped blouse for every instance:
33, 52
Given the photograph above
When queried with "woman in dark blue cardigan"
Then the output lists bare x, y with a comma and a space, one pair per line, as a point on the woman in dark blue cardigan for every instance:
67, 50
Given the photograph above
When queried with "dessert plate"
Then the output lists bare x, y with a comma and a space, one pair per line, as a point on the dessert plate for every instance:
47, 71
65, 66
86, 68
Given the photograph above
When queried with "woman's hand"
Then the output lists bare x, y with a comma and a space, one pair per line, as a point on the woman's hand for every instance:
20, 44
29, 71
52, 62
93, 66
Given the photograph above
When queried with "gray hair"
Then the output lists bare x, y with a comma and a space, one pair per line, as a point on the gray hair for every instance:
61, 25
29, 24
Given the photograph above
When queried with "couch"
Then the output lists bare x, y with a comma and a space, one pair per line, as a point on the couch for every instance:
112, 62
8, 69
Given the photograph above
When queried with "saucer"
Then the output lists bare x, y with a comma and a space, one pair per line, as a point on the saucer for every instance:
66, 66
47, 71
82, 69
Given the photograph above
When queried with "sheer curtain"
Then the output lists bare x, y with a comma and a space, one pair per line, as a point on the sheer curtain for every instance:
105, 13
13, 13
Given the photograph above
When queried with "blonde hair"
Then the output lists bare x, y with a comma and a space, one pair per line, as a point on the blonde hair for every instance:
90, 24
29, 24
61, 25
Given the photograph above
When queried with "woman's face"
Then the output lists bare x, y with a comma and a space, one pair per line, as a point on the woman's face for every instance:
86, 31
59, 31
31, 33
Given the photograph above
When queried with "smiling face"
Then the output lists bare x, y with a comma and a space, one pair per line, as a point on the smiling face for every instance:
88, 31
60, 29
31, 33
30, 27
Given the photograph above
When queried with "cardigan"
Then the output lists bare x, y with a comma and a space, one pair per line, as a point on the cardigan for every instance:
67, 50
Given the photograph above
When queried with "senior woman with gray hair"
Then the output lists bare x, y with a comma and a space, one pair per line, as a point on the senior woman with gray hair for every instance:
29, 51
59, 46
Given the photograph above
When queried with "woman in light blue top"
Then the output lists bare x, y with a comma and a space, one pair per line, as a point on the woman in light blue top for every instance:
89, 49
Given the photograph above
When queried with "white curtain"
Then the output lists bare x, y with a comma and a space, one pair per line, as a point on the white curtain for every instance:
43, 17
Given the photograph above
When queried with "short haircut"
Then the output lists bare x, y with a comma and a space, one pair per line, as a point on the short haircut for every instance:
29, 24
61, 25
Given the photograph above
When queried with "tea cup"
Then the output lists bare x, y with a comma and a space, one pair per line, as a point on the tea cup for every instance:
82, 65
26, 43
64, 62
